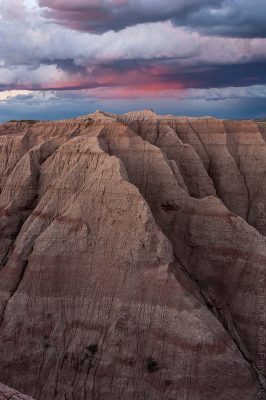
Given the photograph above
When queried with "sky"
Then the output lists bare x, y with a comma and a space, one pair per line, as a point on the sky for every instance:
64, 58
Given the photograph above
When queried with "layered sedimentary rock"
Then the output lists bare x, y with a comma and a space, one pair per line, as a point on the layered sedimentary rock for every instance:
133, 253
7, 393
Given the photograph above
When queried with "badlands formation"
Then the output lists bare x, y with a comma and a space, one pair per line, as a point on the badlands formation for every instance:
133, 258
7, 393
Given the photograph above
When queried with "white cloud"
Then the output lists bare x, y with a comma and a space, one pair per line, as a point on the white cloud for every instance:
22, 76
9, 94
41, 42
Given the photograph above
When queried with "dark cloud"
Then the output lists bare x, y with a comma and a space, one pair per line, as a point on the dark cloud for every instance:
232, 18
67, 65
149, 75
236, 18
219, 76
169, 71
102, 15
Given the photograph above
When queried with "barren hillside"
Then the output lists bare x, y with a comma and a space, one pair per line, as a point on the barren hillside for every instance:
133, 258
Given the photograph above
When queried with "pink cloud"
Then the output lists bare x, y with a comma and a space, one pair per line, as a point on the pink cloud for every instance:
103, 81
104, 15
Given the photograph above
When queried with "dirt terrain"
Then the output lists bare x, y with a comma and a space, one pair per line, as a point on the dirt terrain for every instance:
133, 258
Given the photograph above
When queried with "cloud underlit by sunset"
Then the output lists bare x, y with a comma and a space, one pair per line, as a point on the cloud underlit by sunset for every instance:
59, 58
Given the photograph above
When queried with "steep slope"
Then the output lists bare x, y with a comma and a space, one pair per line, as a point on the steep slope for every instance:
123, 273
7, 393
211, 243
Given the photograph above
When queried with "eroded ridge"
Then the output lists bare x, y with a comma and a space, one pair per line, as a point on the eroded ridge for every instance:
132, 258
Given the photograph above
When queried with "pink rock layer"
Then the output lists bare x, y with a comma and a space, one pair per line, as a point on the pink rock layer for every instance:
133, 258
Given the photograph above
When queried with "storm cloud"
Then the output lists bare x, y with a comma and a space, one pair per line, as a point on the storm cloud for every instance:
103, 15
231, 18
236, 18
125, 50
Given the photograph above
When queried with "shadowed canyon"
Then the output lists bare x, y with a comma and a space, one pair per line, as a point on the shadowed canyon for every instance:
133, 258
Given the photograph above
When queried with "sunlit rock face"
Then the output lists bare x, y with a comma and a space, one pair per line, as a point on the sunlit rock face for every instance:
133, 257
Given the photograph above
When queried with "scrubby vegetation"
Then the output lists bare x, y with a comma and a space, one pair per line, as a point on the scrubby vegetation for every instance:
93, 348
25, 121
151, 364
